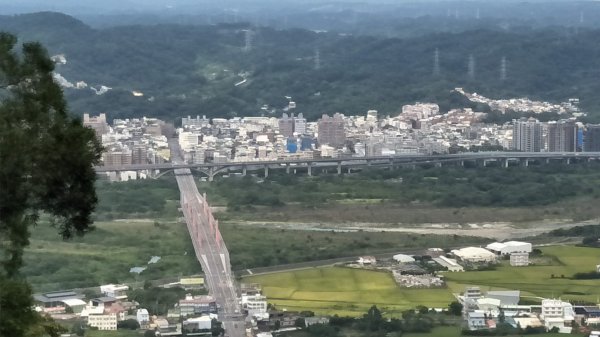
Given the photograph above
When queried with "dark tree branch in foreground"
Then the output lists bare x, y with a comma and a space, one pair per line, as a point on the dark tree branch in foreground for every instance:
46, 166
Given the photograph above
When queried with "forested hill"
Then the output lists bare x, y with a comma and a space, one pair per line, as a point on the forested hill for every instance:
189, 70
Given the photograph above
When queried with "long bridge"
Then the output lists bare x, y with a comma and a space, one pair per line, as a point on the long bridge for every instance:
211, 252
349, 163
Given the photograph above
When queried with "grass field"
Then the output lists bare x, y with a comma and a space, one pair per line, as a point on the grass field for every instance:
118, 333
106, 254
344, 291
536, 280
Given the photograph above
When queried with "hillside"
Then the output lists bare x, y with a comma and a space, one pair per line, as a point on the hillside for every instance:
189, 70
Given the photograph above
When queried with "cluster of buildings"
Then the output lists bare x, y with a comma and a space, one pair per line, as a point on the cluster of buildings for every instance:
566, 135
523, 104
130, 141
486, 311
191, 313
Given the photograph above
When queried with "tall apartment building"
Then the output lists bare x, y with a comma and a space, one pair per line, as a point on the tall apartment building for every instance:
288, 125
139, 154
195, 122
527, 135
98, 123
562, 136
591, 138
331, 130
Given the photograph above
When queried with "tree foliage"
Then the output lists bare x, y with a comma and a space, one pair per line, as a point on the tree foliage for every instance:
47, 160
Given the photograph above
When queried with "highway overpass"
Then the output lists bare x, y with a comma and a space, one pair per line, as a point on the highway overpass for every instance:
348, 163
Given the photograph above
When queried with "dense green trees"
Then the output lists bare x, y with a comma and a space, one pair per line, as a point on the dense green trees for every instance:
192, 69
46, 166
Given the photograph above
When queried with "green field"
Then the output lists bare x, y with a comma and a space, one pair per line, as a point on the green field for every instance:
347, 291
536, 280
106, 254
344, 291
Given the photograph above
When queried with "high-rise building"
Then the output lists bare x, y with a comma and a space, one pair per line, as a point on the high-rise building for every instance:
591, 138
98, 123
562, 136
527, 135
331, 130
139, 154
288, 125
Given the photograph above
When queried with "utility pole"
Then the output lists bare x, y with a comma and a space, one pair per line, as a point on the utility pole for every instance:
471, 67
317, 59
436, 62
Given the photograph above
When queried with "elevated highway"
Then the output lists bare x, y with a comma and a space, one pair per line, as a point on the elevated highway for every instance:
349, 163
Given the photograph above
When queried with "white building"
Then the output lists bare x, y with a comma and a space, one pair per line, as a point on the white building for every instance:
142, 317
403, 258
448, 263
519, 259
103, 321
200, 323
254, 304
509, 247
367, 260
559, 314
118, 291
474, 254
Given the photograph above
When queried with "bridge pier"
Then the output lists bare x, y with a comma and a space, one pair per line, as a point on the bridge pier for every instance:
568, 161
438, 164
505, 163
211, 174
266, 171
287, 168
244, 170
339, 168
525, 162
310, 169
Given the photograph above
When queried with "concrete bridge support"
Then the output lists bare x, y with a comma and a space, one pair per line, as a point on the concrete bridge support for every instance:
438, 164
266, 171
339, 168
525, 162
287, 168
211, 173
309, 169
244, 170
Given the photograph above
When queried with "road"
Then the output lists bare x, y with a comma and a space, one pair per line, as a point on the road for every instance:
211, 252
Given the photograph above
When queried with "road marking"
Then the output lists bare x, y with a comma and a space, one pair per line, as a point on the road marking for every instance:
206, 263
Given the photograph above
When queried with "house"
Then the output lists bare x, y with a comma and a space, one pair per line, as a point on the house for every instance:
118, 291
143, 318
474, 255
476, 320
509, 247
367, 260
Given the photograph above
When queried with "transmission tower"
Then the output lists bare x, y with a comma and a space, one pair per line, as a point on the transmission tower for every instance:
317, 59
471, 67
503, 69
436, 62
248, 35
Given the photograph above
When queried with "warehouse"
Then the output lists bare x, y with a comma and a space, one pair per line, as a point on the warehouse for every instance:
474, 255
507, 248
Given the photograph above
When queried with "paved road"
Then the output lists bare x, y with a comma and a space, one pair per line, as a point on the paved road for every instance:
211, 253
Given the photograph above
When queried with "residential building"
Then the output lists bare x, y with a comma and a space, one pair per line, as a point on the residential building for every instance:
195, 122
139, 154
117, 291
527, 135
197, 305
331, 130
591, 138
254, 304
98, 123
559, 314
562, 136
103, 321
519, 259
143, 318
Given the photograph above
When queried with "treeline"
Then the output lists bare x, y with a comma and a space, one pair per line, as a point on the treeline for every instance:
446, 187
189, 70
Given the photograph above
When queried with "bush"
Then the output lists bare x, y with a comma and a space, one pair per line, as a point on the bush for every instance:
130, 324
